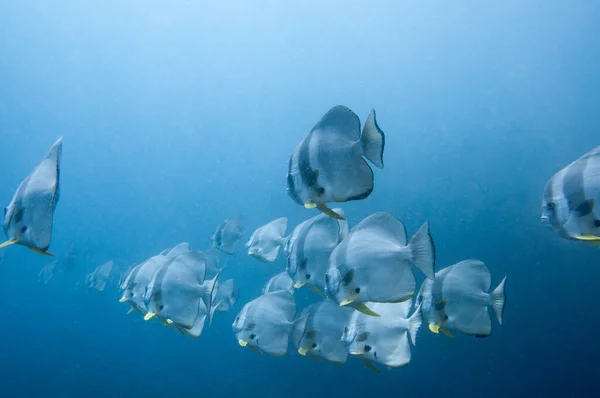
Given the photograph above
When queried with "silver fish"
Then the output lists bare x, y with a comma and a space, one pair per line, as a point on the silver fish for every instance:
458, 299
265, 323
281, 281
383, 339
265, 242
225, 295
228, 234
570, 198
29, 217
311, 244
328, 165
175, 290
374, 263
47, 273
98, 279
317, 331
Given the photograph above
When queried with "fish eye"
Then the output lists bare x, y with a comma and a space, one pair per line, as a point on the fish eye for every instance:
367, 348
357, 290
307, 276
314, 345
551, 205
346, 329
597, 223
326, 277
252, 336
161, 307
23, 229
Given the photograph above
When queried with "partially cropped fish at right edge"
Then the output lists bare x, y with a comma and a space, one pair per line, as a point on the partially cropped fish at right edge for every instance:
570, 198
329, 166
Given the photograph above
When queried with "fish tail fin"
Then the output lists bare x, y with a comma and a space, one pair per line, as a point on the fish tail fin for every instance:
373, 141
422, 249
498, 300
414, 324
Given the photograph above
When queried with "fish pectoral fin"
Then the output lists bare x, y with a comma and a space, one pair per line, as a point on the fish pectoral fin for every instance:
365, 310
434, 328
130, 311
316, 358
8, 243
370, 365
298, 285
256, 350
314, 289
243, 343
323, 208
346, 302
588, 238
310, 205
446, 332
149, 316
122, 300
585, 208
302, 351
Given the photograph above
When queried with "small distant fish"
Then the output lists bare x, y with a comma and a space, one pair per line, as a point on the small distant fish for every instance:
265, 242
570, 198
29, 217
265, 323
98, 279
328, 165
228, 234
47, 273
317, 331
225, 295
373, 263
311, 244
281, 281
458, 299
383, 339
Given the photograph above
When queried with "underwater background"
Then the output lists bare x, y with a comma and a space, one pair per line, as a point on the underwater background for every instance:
177, 115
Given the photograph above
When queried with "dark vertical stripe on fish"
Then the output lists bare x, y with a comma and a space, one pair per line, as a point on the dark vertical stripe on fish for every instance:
573, 184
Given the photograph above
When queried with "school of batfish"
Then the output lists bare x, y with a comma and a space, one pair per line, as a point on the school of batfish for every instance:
363, 276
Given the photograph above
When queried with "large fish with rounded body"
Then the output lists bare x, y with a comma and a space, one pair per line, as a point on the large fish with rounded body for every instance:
329, 166
29, 217
570, 198
373, 263
265, 242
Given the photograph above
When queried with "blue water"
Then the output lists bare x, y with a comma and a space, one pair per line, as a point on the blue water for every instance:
177, 115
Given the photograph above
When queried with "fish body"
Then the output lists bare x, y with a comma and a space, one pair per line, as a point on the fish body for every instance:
318, 329
571, 199
281, 281
329, 164
228, 234
29, 218
265, 242
459, 299
373, 263
311, 244
265, 323
383, 339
